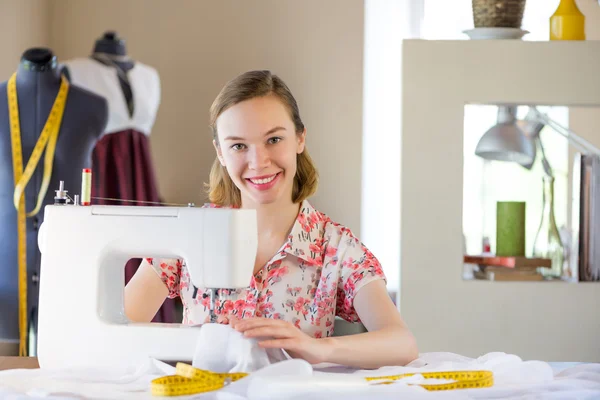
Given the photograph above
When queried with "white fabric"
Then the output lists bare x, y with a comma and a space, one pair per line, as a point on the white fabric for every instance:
103, 81
223, 349
296, 379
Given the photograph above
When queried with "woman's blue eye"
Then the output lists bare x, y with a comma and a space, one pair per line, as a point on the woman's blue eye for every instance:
238, 146
274, 140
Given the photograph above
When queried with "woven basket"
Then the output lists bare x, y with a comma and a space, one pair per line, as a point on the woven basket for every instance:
498, 13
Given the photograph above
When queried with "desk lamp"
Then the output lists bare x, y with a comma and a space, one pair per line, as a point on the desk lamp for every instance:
515, 140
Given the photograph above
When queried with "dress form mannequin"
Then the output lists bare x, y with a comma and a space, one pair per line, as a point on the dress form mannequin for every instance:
122, 163
110, 50
85, 117
111, 45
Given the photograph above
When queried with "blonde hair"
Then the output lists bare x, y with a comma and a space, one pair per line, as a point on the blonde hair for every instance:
221, 189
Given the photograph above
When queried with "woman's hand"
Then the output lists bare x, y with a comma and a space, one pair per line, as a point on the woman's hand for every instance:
284, 335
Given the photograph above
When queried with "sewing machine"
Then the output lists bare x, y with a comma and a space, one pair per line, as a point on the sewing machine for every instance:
84, 251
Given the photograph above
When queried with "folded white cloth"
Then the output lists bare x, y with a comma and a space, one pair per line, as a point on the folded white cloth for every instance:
219, 348
513, 379
296, 379
96, 384
82, 383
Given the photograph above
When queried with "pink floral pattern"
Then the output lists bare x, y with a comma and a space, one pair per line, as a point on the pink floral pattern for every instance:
310, 280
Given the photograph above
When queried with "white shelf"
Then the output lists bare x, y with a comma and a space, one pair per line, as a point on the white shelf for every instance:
553, 321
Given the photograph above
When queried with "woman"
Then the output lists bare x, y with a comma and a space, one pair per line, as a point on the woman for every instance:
308, 269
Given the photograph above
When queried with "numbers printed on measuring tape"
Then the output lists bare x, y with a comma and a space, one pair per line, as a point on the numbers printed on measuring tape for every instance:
462, 379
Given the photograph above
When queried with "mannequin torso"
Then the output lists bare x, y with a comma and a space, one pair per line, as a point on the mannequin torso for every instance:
84, 119
110, 50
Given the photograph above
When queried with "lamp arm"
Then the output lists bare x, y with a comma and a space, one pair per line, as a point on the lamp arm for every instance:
581, 144
545, 162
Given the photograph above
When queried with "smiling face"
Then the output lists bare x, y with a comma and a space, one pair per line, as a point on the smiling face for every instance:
258, 146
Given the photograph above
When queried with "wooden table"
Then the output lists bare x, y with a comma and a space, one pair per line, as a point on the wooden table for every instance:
18, 362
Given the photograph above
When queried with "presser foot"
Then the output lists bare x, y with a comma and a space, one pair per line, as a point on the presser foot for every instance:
213, 317
212, 293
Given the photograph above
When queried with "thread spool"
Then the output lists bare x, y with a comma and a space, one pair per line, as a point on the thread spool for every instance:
86, 186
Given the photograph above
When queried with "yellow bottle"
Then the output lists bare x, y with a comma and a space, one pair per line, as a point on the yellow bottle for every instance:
567, 22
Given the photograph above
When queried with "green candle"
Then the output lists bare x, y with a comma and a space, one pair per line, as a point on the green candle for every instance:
510, 228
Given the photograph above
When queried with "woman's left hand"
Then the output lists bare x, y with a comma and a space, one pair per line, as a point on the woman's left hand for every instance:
284, 335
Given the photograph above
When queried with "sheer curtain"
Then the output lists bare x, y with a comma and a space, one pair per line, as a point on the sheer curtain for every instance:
387, 22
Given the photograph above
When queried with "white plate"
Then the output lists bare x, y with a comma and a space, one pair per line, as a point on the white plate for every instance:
495, 33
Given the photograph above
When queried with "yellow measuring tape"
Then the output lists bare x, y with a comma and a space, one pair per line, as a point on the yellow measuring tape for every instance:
462, 379
47, 140
189, 380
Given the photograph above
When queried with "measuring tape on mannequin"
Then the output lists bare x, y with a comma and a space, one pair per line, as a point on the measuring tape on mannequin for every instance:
47, 141
189, 380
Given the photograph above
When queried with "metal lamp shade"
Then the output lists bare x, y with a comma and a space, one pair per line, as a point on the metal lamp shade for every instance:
506, 142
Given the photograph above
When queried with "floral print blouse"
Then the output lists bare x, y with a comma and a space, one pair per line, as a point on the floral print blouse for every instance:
311, 279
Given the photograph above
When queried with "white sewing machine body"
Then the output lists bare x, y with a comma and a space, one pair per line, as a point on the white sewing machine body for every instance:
84, 251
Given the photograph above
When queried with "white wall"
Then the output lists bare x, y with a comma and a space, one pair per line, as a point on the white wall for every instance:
23, 24
386, 24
